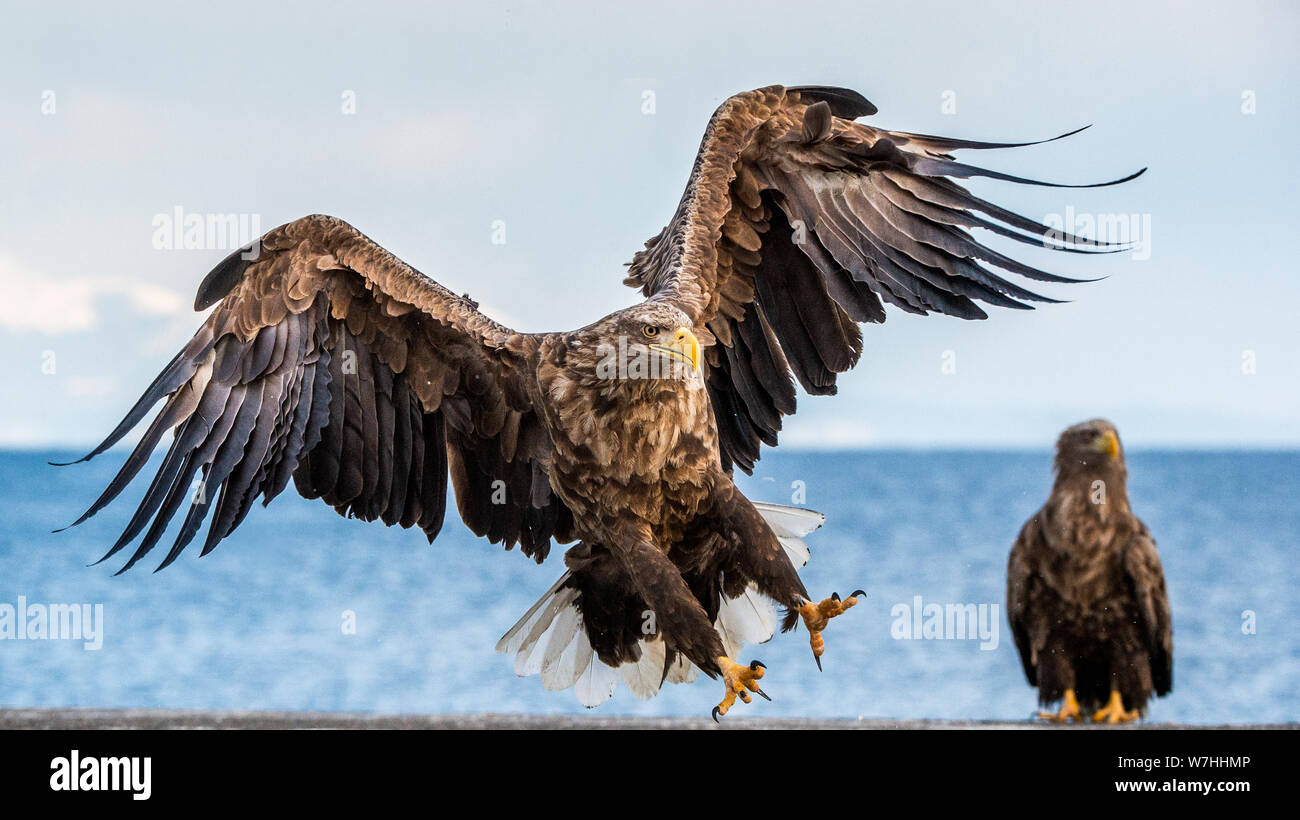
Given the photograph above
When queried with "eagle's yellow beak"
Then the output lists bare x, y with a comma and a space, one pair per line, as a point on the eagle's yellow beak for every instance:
1107, 443
685, 347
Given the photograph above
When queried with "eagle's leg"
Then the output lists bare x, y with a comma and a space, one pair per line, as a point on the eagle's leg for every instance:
1114, 712
686, 627
1069, 710
816, 616
737, 679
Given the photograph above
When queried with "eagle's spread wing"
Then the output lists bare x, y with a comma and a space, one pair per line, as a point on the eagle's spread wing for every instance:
1146, 581
797, 223
330, 360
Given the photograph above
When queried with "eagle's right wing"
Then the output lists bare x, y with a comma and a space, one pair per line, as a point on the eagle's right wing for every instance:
330, 360
798, 223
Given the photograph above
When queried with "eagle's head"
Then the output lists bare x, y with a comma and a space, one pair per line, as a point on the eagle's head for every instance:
649, 346
1089, 446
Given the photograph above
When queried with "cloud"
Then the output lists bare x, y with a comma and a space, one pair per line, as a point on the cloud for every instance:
34, 301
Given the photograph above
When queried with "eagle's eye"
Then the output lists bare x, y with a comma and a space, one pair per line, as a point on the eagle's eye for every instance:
650, 331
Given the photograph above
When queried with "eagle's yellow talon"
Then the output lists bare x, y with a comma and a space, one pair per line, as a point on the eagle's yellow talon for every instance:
1113, 711
740, 680
816, 616
1069, 710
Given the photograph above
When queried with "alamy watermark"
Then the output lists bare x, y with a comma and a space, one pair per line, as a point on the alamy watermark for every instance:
53, 622
180, 230
1095, 230
75, 773
920, 621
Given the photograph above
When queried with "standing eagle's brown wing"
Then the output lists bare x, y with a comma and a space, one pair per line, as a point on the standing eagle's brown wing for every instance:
797, 223
1022, 585
330, 360
1146, 581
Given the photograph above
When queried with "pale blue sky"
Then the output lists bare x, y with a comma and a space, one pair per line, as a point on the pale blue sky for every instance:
532, 114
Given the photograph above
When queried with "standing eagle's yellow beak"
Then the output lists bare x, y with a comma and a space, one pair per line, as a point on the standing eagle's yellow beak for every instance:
1107, 443
685, 347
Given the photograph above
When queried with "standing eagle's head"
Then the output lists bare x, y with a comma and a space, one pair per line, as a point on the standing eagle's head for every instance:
1090, 447
1090, 465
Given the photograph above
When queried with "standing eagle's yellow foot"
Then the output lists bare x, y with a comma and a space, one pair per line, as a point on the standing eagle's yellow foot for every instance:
1069, 710
816, 616
1113, 711
738, 679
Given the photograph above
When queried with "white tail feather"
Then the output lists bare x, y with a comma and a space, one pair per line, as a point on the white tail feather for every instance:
747, 619
550, 639
513, 640
565, 659
597, 682
644, 676
682, 671
790, 525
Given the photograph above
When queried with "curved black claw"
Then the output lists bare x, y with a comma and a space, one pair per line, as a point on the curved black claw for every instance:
858, 594
757, 665
715, 715
835, 596
758, 691
818, 658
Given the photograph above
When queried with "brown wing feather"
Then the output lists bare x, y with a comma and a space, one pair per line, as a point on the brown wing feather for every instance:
802, 221
330, 361
1146, 579
1022, 585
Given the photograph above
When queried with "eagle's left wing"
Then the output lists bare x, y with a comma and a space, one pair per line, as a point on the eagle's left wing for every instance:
1146, 581
1023, 584
797, 223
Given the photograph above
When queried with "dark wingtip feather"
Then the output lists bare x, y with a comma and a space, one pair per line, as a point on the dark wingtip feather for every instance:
87, 457
1091, 250
1139, 172
1073, 281
223, 278
1122, 179
844, 102
954, 144
1026, 144
930, 166
81, 520
1062, 136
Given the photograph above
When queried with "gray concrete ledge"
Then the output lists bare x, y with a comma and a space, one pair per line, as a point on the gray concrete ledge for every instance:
169, 719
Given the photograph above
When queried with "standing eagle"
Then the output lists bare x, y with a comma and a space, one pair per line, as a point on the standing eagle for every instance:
330, 361
1086, 592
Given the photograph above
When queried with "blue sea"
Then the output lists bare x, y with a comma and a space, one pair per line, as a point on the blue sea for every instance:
260, 622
